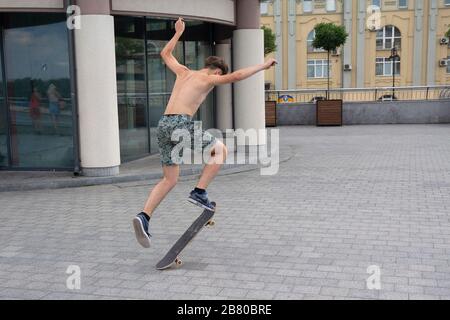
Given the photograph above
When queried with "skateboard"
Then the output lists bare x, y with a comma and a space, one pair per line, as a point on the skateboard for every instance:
172, 257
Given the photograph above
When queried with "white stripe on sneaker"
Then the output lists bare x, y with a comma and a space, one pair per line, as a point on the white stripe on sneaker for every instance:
199, 204
139, 231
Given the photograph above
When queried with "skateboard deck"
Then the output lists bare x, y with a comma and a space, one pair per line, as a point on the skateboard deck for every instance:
172, 257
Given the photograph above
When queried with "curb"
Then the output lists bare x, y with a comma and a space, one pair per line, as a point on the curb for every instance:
76, 182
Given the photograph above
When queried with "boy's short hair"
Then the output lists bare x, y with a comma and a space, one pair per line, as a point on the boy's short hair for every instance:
214, 62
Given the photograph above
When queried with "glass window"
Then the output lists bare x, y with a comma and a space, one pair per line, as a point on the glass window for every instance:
379, 43
447, 2
311, 69
145, 82
160, 78
448, 64
379, 66
197, 49
331, 5
388, 43
317, 68
376, 3
403, 4
387, 68
264, 8
384, 67
307, 5
3, 120
388, 33
387, 37
39, 91
131, 87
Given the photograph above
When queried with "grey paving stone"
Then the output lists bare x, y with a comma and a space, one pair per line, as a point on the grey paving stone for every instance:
387, 202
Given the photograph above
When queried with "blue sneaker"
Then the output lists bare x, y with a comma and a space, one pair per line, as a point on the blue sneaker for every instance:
141, 227
201, 200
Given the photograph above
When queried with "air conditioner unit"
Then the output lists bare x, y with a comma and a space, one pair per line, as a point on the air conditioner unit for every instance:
443, 63
347, 67
444, 41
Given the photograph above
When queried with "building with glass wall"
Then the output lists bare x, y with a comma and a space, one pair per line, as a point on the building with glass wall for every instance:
82, 88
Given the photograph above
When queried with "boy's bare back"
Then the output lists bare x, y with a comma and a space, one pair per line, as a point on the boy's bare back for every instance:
190, 90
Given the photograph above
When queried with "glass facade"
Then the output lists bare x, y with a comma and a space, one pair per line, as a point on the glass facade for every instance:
144, 83
35, 93
36, 115
3, 119
131, 87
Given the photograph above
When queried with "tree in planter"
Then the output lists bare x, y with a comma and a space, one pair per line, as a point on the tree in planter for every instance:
329, 37
269, 41
269, 47
448, 34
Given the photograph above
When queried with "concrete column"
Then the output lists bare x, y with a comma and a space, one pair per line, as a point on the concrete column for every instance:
418, 43
292, 45
347, 54
248, 50
224, 94
278, 17
432, 32
97, 89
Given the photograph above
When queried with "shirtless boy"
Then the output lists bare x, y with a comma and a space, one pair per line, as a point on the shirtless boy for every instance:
190, 90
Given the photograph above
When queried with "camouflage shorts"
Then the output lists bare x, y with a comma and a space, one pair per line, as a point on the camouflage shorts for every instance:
166, 127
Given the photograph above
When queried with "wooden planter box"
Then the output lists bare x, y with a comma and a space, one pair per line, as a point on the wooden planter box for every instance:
329, 113
271, 113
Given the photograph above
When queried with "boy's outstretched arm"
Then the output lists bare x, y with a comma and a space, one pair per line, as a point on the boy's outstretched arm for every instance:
243, 73
166, 52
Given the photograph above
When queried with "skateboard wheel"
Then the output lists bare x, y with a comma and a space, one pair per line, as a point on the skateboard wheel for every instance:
178, 262
211, 223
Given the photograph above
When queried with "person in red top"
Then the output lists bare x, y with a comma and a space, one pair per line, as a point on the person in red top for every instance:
35, 111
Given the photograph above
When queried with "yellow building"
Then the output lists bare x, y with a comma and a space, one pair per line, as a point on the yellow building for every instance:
416, 27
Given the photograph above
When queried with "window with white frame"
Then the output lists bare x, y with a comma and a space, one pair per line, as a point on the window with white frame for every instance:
307, 5
403, 4
331, 5
310, 40
384, 67
376, 3
317, 68
388, 37
447, 2
264, 7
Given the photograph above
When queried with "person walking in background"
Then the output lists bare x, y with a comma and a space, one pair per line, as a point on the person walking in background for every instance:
54, 99
35, 111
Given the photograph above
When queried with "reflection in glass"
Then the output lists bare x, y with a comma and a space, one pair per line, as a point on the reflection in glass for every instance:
3, 122
157, 87
38, 84
207, 108
142, 51
197, 49
160, 78
131, 87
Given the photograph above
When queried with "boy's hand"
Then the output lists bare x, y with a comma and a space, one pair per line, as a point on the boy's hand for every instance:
179, 25
270, 63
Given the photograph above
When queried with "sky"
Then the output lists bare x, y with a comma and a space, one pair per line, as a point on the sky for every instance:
37, 52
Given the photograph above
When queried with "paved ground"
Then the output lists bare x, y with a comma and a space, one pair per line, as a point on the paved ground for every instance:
349, 198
